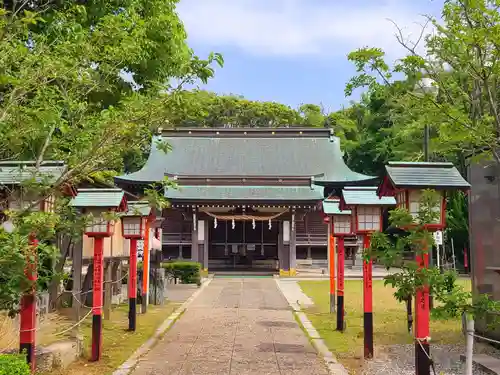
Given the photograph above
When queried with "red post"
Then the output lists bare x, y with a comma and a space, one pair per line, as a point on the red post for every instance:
97, 298
145, 269
332, 273
368, 302
28, 309
132, 286
422, 320
340, 284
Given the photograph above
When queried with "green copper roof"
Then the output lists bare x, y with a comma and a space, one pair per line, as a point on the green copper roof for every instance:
272, 193
98, 198
15, 172
365, 196
138, 208
266, 152
425, 175
331, 207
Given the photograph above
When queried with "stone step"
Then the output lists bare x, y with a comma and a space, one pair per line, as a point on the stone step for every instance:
487, 364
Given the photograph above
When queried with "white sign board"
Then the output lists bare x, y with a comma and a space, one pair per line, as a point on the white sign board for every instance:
438, 238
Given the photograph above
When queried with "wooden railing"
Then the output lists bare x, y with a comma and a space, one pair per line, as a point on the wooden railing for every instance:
311, 238
176, 238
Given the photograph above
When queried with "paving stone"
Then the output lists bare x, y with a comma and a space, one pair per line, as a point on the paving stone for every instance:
234, 327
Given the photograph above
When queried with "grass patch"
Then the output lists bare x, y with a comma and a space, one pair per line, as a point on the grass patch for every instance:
47, 331
118, 343
389, 317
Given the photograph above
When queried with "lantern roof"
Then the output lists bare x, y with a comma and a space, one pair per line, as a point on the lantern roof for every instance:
94, 197
422, 175
332, 207
138, 208
365, 196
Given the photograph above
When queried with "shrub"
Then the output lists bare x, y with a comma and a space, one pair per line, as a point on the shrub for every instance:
13, 364
186, 272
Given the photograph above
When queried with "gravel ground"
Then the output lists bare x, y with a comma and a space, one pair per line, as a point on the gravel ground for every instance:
400, 360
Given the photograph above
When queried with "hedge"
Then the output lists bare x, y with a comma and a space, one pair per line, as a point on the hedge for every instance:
13, 364
186, 272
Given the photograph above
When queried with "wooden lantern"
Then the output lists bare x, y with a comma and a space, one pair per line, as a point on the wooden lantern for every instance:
367, 210
96, 202
134, 226
406, 182
99, 226
342, 224
368, 219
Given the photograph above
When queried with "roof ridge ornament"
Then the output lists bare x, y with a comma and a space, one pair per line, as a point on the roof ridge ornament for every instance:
332, 135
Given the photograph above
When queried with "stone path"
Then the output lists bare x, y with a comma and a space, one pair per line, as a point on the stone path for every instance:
235, 327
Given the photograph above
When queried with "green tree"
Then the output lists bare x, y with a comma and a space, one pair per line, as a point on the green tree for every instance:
462, 59
200, 108
64, 96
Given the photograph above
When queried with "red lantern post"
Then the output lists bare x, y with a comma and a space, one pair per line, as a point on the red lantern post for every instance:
98, 229
331, 263
28, 308
96, 202
134, 227
341, 226
145, 268
367, 210
406, 181
332, 273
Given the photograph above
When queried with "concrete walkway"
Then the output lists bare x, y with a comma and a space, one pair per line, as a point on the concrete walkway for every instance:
235, 327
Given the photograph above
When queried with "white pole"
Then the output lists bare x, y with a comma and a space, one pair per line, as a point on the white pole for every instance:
470, 345
453, 254
438, 255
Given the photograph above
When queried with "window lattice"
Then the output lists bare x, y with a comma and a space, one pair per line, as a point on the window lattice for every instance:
368, 218
415, 198
132, 228
97, 225
342, 224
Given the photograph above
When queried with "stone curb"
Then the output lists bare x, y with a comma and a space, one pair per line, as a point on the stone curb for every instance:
334, 367
130, 363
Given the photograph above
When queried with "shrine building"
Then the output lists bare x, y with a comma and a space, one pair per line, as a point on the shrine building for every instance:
246, 198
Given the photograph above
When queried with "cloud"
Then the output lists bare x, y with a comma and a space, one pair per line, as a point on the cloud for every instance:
300, 27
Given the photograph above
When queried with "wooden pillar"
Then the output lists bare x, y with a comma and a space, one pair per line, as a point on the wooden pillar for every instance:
108, 288
195, 254
206, 245
280, 247
77, 286
293, 249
